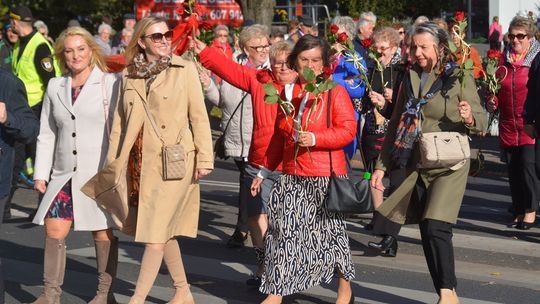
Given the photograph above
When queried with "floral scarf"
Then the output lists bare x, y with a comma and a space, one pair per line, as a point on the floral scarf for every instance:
142, 69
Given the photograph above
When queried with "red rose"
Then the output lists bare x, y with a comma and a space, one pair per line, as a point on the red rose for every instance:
327, 72
206, 26
459, 16
263, 76
342, 37
493, 54
334, 29
366, 43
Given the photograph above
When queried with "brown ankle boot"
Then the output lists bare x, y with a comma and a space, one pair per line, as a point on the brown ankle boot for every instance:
173, 260
107, 262
54, 265
150, 264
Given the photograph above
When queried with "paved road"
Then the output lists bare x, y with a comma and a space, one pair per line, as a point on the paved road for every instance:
494, 264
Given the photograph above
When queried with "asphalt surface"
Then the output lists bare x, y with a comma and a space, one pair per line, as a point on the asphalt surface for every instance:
494, 264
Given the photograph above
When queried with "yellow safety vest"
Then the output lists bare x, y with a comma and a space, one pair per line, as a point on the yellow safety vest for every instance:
25, 69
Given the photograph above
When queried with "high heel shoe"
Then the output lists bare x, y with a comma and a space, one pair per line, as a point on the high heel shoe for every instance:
388, 245
524, 225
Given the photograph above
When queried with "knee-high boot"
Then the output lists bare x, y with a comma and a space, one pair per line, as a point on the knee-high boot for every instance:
107, 262
173, 260
54, 266
151, 262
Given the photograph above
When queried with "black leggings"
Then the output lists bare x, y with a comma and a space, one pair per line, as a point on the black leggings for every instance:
522, 175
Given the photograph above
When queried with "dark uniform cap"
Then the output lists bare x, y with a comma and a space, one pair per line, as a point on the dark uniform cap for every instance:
129, 16
21, 12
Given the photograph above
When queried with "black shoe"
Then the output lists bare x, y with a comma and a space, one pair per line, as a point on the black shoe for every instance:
254, 281
388, 245
524, 225
237, 240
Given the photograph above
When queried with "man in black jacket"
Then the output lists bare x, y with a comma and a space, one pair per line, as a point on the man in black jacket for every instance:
17, 123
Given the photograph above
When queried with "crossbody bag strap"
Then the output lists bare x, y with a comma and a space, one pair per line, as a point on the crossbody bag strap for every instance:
234, 112
328, 126
153, 123
105, 105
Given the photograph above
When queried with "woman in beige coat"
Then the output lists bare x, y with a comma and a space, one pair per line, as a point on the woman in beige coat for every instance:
162, 104
430, 197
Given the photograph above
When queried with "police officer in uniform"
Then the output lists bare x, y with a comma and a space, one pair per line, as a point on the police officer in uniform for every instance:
34, 64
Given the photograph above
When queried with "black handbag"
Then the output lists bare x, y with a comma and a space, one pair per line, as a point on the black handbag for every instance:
219, 145
345, 196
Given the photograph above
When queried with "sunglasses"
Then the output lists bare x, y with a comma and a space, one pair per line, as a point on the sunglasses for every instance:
401, 32
158, 37
518, 36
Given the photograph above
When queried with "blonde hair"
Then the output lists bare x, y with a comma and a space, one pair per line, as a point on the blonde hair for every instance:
387, 33
133, 49
60, 48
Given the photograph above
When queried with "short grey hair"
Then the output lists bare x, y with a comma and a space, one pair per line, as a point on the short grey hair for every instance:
421, 19
104, 26
280, 47
370, 16
126, 31
251, 32
40, 24
346, 23
362, 23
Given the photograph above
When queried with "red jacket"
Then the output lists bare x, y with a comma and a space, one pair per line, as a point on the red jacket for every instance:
317, 162
510, 101
244, 78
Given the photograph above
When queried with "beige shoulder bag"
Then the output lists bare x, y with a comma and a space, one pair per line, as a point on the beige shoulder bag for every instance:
443, 149
172, 156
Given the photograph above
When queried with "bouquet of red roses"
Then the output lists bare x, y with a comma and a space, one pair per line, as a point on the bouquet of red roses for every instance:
350, 54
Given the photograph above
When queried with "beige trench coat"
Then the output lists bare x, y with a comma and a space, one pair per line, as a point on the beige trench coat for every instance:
445, 188
166, 208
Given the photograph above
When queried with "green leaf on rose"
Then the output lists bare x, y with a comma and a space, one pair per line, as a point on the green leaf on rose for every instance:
269, 89
271, 99
452, 46
323, 86
330, 85
310, 87
469, 64
309, 75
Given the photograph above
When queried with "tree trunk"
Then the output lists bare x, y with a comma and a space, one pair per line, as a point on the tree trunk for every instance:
260, 11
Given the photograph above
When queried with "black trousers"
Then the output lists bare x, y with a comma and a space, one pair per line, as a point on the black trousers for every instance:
437, 244
243, 198
523, 178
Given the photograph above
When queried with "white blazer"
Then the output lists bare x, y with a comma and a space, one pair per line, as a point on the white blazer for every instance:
73, 142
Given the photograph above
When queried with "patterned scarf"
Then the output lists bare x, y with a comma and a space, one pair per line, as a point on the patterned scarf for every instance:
408, 128
142, 69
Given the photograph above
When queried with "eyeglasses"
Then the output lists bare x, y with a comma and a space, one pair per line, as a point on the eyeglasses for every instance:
518, 36
280, 64
260, 48
222, 35
401, 32
158, 37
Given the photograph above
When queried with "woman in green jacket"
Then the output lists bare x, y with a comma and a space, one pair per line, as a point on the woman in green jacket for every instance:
431, 96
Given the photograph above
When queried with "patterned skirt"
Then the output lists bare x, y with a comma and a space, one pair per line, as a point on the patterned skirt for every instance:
304, 244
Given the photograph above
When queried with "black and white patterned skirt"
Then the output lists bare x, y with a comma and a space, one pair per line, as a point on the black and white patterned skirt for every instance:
304, 244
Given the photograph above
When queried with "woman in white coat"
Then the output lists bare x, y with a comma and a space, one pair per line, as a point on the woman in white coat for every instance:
71, 148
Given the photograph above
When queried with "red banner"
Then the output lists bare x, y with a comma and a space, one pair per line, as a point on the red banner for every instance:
212, 11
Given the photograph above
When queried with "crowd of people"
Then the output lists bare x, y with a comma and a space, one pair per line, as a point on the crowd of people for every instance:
127, 150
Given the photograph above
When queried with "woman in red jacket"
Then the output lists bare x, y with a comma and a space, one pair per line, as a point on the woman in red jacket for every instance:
264, 117
305, 244
518, 146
